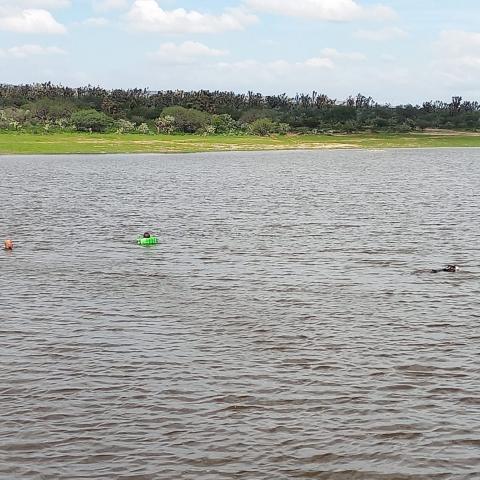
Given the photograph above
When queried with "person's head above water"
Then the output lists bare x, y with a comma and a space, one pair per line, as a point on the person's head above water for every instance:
146, 235
451, 268
448, 268
8, 245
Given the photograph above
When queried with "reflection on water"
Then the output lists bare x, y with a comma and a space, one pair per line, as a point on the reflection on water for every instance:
277, 331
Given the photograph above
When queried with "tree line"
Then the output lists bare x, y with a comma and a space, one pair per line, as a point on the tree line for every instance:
47, 107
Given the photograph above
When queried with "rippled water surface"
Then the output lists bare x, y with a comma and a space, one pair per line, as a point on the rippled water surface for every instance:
283, 328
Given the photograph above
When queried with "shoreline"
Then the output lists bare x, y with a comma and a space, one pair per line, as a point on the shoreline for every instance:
202, 152
13, 143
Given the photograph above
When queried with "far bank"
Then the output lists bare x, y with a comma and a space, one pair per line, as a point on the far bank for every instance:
65, 143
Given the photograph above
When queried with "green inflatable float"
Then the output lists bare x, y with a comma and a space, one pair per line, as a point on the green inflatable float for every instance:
150, 240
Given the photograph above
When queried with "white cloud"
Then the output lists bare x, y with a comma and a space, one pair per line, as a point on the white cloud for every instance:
457, 58
189, 52
185, 53
381, 34
29, 21
335, 54
317, 62
277, 67
268, 77
330, 71
96, 22
25, 51
35, 3
458, 43
147, 15
106, 5
328, 10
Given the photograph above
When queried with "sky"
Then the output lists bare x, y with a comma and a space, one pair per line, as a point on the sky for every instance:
396, 51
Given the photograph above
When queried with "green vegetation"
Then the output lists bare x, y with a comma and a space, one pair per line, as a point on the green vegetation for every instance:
53, 108
46, 118
47, 143
92, 121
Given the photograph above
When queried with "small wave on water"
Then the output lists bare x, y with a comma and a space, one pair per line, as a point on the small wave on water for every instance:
276, 331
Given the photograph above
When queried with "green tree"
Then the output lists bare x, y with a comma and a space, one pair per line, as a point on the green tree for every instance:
253, 114
187, 120
51, 110
263, 127
91, 121
224, 124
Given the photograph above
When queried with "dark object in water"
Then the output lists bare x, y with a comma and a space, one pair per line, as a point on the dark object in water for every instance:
448, 268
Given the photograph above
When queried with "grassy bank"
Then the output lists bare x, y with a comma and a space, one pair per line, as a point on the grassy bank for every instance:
24, 143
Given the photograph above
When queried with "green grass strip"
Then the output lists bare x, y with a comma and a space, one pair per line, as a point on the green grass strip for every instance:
64, 143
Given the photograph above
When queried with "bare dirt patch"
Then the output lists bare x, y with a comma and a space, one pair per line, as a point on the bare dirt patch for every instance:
448, 133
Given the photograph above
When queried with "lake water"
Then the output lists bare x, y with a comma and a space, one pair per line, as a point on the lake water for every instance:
276, 332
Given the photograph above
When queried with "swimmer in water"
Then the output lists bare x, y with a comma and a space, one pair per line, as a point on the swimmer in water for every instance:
146, 235
448, 268
8, 245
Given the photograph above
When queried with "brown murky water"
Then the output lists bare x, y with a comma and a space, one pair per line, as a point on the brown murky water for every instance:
277, 331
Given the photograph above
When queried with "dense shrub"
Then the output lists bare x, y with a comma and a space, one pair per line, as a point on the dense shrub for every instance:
187, 120
50, 110
224, 124
143, 128
263, 127
124, 126
165, 124
91, 121
42, 107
